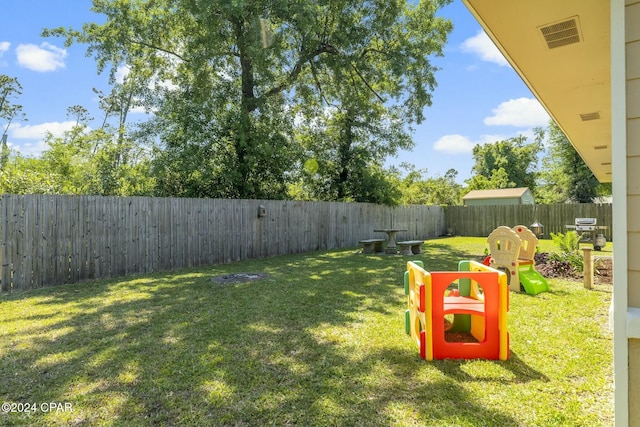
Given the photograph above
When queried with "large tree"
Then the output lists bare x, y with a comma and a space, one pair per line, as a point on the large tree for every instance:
101, 161
416, 187
565, 175
345, 150
10, 88
508, 163
223, 78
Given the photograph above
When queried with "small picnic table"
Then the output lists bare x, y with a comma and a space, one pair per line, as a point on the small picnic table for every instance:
391, 238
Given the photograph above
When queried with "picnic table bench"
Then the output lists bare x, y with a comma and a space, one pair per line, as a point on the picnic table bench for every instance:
409, 247
372, 245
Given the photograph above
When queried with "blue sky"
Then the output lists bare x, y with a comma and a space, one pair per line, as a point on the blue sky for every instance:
479, 97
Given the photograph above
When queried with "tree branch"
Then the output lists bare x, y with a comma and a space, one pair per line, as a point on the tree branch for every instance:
161, 49
372, 50
297, 69
318, 84
366, 82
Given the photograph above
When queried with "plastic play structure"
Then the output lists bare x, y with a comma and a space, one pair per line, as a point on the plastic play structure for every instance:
476, 296
513, 249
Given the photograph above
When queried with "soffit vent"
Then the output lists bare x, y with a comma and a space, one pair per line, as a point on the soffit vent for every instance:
561, 33
600, 147
590, 116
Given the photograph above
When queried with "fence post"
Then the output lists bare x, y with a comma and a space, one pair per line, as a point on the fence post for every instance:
588, 267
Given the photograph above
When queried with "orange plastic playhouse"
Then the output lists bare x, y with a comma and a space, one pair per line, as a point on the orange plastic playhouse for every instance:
478, 299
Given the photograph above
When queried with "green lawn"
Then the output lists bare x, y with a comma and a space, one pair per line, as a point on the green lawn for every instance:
319, 342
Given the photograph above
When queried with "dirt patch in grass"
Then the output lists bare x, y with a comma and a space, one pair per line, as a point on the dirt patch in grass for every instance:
603, 270
603, 273
238, 277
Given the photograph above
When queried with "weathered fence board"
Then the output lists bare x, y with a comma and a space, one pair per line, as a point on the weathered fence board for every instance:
47, 240
481, 220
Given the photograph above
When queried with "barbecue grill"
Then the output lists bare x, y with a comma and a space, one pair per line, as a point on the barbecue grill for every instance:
588, 227
586, 224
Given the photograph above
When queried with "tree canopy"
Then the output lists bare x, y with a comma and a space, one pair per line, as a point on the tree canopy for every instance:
229, 83
504, 164
565, 175
416, 187
10, 88
270, 99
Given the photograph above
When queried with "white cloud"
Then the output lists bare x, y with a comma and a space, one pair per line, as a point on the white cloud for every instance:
521, 112
459, 144
43, 58
32, 136
154, 84
138, 109
453, 144
19, 131
164, 84
4, 46
121, 73
482, 46
29, 149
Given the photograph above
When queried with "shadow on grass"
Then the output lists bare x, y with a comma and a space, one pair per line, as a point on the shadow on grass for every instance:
300, 347
441, 256
512, 371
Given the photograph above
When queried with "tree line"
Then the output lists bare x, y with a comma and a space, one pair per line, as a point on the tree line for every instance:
268, 99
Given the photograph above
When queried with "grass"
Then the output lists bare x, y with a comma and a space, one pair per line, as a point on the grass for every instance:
318, 342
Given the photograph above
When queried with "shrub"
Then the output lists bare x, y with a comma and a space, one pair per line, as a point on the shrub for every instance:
554, 265
569, 253
568, 262
574, 259
566, 242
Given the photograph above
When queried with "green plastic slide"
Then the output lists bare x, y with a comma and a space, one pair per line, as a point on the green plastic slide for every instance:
532, 281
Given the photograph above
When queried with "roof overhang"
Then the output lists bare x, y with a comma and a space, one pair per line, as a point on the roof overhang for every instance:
502, 193
561, 50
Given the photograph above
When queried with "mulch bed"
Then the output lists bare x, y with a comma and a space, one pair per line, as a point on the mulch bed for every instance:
603, 271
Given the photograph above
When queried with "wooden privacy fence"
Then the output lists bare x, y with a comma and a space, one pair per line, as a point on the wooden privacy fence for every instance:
48, 240
482, 220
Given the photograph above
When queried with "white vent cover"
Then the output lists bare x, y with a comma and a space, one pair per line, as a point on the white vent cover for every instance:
561, 33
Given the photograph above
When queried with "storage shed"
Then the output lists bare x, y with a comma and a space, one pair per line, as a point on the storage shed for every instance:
504, 196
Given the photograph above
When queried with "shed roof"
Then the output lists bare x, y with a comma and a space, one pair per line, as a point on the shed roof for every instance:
504, 193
